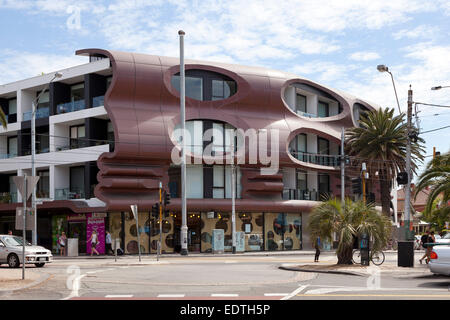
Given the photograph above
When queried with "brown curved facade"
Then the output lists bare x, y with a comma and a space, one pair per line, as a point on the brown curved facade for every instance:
144, 109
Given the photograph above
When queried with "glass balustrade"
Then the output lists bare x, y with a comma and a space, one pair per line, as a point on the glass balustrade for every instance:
98, 101
40, 113
298, 194
70, 106
66, 194
324, 160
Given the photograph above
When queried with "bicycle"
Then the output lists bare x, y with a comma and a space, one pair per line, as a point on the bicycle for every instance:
377, 257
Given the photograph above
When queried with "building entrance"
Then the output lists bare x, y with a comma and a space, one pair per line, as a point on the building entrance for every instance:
194, 232
77, 229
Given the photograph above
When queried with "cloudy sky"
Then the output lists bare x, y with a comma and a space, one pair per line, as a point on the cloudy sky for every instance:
336, 43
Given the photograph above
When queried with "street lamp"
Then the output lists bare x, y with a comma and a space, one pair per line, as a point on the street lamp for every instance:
439, 87
33, 153
383, 68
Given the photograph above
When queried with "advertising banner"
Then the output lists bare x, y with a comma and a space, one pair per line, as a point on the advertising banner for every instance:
97, 224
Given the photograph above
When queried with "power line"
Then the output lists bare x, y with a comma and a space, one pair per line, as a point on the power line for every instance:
435, 129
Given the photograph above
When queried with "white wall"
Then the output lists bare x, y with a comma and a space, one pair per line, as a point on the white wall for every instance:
289, 97
24, 100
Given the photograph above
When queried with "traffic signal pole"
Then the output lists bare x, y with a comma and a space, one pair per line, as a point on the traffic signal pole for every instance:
160, 221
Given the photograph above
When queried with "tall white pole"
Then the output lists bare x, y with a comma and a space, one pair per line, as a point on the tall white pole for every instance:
184, 228
408, 166
233, 195
33, 170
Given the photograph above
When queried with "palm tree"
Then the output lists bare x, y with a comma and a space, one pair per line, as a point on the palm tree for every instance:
3, 120
348, 222
380, 141
436, 176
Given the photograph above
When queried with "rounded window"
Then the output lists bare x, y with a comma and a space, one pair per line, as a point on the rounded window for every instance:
205, 85
311, 102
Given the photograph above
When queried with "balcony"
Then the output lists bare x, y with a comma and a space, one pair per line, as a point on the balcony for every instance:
306, 114
70, 106
8, 197
11, 118
40, 113
320, 159
66, 194
7, 155
98, 101
297, 194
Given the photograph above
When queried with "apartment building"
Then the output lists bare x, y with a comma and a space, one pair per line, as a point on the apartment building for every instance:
105, 138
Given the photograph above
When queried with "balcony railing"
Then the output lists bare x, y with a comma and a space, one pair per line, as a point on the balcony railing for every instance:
298, 194
8, 197
98, 101
40, 113
306, 114
66, 194
8, 155
320, 159
70, 106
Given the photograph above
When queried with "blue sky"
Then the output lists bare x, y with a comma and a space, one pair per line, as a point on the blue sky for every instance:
336, 43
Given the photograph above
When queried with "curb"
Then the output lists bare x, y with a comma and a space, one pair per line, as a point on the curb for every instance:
37, 282
299, 269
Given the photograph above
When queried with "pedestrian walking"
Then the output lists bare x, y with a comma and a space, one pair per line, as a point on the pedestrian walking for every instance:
427, 239
94, 241
108, 243
317, 244
62, 243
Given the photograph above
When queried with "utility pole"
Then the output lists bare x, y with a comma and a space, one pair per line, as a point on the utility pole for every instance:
233, 194
160, 220
408, 166
184, 228
406, 246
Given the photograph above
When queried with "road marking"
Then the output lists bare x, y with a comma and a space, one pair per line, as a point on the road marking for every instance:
294, 293
224, 295
171, 295
276, 294
376, 295
119, 296
230, 261
75, 287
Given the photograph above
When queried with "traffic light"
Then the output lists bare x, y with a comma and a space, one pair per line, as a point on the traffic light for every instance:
357, 185
166, 198
155, 210
402, 178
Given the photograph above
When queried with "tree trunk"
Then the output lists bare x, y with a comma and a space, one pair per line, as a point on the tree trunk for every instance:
345, 256
385, 191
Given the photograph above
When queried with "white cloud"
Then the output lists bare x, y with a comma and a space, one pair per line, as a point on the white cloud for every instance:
422, 31
21, 65
364, 56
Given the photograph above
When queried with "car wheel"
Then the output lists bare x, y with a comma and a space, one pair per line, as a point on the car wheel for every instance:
39, 265
13, 261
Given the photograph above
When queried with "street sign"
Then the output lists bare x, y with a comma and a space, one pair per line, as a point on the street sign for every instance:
29, 219
134, 210
31, 182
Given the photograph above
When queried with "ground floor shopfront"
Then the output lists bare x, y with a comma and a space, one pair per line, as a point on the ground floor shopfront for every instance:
261, 231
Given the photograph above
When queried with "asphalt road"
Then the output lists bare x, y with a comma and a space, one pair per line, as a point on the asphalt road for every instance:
240, 277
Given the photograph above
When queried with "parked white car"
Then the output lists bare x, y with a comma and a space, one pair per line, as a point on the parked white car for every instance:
11, 252
444, 239
440, 260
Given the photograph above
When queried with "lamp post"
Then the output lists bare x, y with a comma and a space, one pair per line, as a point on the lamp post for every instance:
439, 87
33, 153
383, 68
184, 228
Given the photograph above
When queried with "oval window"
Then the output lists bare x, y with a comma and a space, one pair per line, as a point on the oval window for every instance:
206, 85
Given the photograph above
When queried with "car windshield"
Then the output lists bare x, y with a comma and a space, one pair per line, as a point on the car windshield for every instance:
447, 236
12, 241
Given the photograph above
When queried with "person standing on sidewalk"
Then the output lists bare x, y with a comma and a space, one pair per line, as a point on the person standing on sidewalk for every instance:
108, 243
62, 243
317, 247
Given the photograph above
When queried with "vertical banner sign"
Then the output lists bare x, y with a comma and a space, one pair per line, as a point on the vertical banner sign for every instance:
97, 224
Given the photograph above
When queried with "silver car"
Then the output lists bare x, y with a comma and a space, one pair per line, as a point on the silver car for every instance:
11, 252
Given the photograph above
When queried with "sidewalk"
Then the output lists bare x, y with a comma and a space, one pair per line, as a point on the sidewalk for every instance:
11, 279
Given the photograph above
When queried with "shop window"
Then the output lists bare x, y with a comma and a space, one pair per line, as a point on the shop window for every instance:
283, 231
